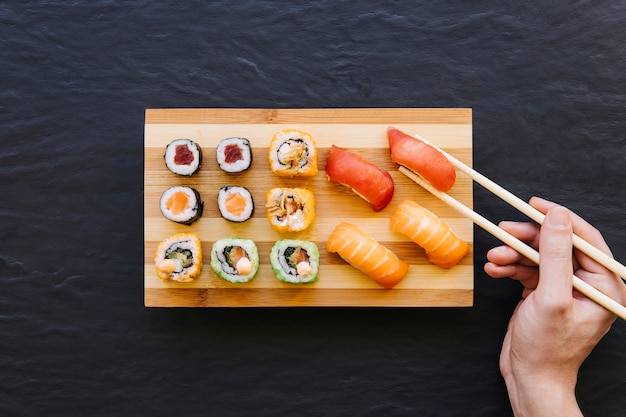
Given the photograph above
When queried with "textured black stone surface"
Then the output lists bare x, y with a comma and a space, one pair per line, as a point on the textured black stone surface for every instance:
546, 84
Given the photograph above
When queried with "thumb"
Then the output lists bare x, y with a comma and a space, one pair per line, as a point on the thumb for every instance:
555, 253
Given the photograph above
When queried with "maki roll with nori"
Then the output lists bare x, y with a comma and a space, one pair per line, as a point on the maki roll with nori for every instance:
234, 154
295, 261
290, 209
183, 157
235, 260
235, 203
179, 258
181, 204
293, 153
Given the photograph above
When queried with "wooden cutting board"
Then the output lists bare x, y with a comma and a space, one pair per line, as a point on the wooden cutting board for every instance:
361, 130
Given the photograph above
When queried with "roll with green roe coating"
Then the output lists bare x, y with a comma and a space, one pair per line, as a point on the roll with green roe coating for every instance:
295, 261
235, 260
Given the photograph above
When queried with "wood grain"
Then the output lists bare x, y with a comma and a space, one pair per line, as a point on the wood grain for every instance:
360, 130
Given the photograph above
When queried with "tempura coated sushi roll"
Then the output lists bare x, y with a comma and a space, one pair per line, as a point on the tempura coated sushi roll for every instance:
235, 260
183, 157
181, 204
179, 258
292, 153
235, 203
234, 154
290, 209
295, 261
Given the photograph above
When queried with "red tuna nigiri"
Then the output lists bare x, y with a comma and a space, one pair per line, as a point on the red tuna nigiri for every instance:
364, 178
421, 158
443, 247
366, 254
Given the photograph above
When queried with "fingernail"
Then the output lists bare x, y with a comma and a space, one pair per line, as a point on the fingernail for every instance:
559, 218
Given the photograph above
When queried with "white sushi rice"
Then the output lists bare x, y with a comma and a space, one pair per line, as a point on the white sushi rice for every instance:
240, 164
282, 148
183, 169
220, 265
181, 274
188, 214
222, 197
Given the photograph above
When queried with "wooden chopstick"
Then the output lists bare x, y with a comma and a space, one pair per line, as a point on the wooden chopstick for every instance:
584, 288
579, 243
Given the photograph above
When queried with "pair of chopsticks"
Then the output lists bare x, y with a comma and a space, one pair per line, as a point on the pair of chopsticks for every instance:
525, 250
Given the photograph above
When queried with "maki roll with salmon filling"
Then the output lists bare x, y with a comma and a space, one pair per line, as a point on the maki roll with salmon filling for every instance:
290, 209
293, 153
235, 203
235, 260
183, 157
234, 154
179, 258
181, 204
295, 261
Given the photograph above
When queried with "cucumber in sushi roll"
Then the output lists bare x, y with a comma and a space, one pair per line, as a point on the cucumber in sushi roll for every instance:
295, 261
235, 260
179, 258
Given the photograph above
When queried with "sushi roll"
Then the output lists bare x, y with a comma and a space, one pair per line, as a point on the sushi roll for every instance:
179, 258
235, 260
234, 154
295, 261
293, 153
235, 203
181, 204
290, 209
183, 157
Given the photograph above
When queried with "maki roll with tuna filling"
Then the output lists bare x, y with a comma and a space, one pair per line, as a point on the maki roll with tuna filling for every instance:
183, 157
293, 153
234, 154
235, 203
179, 258
295, 261
235, 260
290, 209
181, 204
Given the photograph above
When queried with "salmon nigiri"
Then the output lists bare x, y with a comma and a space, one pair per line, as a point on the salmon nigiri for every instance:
443, 247
421, 158
366, 254
368, 181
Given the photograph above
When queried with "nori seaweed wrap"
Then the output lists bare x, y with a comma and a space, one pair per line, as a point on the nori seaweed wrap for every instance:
235, 260
295, 261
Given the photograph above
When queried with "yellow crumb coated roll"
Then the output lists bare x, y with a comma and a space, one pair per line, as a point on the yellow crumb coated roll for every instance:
293, 153
179, 258
290, 209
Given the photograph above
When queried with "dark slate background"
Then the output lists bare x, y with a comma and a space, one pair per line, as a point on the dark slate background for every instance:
546, 84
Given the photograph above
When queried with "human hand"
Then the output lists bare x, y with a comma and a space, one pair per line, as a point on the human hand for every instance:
554, 328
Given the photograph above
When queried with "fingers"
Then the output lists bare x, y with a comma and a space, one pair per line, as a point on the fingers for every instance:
583, 229
555, 251
579, 225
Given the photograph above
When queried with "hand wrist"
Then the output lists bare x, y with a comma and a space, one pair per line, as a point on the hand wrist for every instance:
538, 396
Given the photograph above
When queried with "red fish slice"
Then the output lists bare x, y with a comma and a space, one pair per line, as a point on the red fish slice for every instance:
364, 178
421, 158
